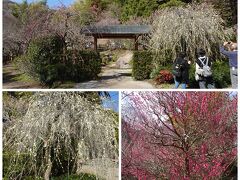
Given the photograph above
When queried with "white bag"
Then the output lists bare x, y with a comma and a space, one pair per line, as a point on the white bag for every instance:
205, 71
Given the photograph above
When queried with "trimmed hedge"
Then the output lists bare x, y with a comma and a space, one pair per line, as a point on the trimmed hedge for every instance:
42, 60
44, 55
45, 62
142, 65
83, 65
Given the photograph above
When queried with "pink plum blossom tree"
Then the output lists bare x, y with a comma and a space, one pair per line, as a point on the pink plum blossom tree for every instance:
178, 135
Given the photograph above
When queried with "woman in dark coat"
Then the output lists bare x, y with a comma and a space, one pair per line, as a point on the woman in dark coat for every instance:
181, 71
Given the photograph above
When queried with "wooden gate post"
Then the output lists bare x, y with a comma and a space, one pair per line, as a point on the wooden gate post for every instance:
95, 43
136, 43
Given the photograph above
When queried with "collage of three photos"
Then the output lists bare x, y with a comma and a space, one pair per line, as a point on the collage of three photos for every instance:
121, 89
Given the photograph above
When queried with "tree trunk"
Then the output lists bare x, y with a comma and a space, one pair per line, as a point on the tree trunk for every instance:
233, 4
187, 168
64, 39
64, 51
49, 165
183, 45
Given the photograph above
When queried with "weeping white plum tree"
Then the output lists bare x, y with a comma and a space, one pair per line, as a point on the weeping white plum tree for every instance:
186, 28
60, 132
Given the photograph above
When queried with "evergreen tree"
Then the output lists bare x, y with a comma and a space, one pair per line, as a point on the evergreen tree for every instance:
138, 8
226, 8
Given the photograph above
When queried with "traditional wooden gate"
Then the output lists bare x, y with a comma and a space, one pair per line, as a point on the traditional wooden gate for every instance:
117, 32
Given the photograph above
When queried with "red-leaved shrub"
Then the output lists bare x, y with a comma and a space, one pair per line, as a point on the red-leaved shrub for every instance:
165, 76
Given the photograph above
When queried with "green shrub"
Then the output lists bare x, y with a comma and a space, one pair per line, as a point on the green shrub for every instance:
172, 3
221, 74
138, 8
45, 53
83, 65
22, 63
142, 65
82, 176
16, 164
44, 62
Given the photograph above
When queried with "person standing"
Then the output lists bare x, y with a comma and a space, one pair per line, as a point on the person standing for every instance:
181, 71
231, 53
203, 73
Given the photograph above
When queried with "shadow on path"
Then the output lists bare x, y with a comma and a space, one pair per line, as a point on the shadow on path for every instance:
116, 76
11, 76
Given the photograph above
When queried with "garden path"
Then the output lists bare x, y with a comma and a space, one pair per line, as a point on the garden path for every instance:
13, 79
103, 168
116, 76
102, 172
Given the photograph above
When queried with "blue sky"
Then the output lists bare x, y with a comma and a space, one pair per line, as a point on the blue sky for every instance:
113, 102
51, 3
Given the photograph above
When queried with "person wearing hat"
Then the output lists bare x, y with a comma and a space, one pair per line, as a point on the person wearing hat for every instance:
229, 49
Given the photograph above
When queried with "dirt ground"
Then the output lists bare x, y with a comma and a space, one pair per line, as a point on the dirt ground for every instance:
102, 172
116, 76
11, 79
113, 76
106, 168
